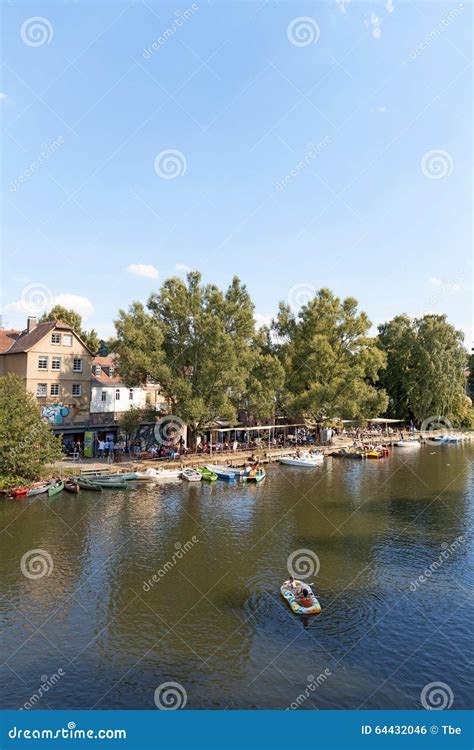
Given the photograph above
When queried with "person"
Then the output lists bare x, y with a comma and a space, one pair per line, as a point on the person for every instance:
305, 600
294, 586
101, 448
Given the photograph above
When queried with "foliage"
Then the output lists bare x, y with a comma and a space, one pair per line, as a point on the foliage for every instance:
425, 374
331, 363
27, 443
72, 318
130, 420
201, 345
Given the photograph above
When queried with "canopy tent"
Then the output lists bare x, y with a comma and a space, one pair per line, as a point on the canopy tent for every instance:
383, 420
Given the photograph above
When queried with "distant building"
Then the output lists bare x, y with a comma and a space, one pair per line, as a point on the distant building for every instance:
55, 366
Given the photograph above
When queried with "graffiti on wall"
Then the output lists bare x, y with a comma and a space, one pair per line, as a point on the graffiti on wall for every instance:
55, 413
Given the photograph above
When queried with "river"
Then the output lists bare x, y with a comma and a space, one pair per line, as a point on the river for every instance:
91, 623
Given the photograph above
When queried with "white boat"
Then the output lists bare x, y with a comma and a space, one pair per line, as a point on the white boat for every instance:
163, 474
230, 470
191, 475
305, 460
408, 444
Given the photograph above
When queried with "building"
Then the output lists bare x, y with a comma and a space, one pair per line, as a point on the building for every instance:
110, 398
55, 366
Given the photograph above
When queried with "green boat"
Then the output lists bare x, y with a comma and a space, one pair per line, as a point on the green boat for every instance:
85, 484
209, 476
109, 485
55, 489
128, 477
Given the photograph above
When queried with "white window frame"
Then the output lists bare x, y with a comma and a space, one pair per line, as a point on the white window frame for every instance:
56, 360
67, 339
117, 394
58, 336
74, 368
79, 386
97, 370
103, 397
43, 357
55, 386
44, 386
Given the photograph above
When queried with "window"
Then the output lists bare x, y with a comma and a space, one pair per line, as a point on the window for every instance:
41, 390
56, 363
77, 364
130, 394
55, 338
117, 394
97, 370
54, 389
42, 363
67, 339
111, 371
103, 396
76, 389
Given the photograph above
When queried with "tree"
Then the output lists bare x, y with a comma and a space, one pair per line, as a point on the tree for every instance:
131, 420
72, 318
426, 363
331, 363
26, 442
200, 344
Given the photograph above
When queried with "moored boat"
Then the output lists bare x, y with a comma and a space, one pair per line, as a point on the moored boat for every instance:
254, 474
40, 489
208, 476
56, 488
222, 472
85, 484
408, 444
71, 485
305, 460
191, 475
19, 492
163, 474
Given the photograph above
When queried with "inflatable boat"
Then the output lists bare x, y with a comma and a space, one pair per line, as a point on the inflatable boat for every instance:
292, 602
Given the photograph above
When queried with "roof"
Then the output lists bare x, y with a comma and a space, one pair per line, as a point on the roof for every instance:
104, 378
22, 341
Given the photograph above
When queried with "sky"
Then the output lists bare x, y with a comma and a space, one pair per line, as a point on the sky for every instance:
297, 145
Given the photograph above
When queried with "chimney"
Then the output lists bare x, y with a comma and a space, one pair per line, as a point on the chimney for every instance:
31, 324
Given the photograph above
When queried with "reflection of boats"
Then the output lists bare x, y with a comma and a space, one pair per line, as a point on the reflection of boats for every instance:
191, 475
55, 488
209, 476
305, 460
292, 602
254, 475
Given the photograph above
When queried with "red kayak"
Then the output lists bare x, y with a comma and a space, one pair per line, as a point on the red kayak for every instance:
19, 492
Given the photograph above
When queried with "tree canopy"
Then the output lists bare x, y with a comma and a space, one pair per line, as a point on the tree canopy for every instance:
26, 442
202, 346
58, 312
331, 364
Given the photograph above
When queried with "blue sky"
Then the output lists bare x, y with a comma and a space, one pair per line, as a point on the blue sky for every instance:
297, 145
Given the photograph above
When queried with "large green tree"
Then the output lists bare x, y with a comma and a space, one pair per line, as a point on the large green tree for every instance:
331, 363
72, 318
201, 345
426, 363
26, 442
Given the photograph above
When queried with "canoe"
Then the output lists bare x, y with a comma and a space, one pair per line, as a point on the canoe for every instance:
40, 490
191, 475
208, 476
71, 485
290, 599
56, 488
110, 485
84, 484
19, 492
128, 477
254, 475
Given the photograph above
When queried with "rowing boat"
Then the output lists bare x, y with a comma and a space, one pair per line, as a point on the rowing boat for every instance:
85, 484
71, 485
56, 488
191, 475
40, 489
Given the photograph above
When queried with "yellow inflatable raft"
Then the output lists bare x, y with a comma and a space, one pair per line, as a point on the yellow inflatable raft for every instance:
289, 596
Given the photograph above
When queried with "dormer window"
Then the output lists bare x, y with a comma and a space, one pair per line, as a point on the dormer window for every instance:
97, 370
111, 371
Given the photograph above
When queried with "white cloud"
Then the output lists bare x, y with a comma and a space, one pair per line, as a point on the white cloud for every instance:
81, 305
3, 96
342, 5
389, 6
142, 269
450, 285
381, 108
374, 23
182, 267
38, 299
263, 319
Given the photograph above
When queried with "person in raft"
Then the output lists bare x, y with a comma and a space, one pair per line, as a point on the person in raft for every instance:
305, 599
293, 586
